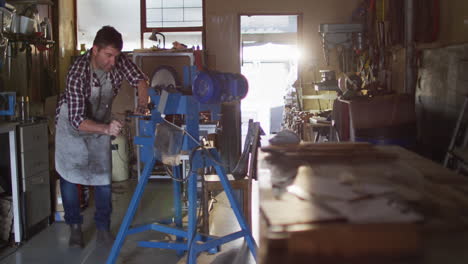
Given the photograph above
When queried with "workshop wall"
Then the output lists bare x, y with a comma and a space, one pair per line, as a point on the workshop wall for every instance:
442, 82
453, 22
441, 90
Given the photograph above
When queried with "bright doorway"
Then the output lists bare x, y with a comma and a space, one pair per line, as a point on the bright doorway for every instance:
269, 61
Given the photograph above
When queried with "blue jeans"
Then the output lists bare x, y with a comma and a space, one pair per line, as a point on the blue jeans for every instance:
71, 204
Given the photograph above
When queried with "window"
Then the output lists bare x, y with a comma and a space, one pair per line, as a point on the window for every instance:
168, 15
179, 20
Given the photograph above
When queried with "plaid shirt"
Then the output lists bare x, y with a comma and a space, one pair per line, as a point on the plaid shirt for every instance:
78, 88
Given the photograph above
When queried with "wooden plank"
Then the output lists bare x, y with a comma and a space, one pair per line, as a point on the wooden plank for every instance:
315, 152
294, 211
425, 186
429, 169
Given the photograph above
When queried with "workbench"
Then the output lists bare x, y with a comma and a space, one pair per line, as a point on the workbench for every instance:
305, 225
10, 128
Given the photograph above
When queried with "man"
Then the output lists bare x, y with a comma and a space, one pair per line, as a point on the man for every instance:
84, 128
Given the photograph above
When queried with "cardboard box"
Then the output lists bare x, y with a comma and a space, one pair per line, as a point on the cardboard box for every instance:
58, 198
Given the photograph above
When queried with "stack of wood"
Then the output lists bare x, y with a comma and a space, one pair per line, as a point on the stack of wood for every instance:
355, 200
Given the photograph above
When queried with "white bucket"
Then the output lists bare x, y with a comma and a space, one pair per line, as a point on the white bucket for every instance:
119, 159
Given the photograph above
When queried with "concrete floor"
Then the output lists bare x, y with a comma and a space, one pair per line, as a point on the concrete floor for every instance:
51, 245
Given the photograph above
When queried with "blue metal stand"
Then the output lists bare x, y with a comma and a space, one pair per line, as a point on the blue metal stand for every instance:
190, 241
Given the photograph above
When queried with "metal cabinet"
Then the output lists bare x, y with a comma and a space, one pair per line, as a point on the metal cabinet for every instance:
33, 150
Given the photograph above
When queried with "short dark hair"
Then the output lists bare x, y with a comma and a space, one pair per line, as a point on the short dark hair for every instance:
108, 36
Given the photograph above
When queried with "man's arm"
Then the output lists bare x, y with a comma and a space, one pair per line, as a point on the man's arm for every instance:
76, 94
142, 106
138, 79
91, 126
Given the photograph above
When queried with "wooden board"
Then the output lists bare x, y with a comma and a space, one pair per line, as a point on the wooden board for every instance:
438, 194
291, 211
328, 151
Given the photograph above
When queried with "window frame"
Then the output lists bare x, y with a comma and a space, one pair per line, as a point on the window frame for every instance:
145, 29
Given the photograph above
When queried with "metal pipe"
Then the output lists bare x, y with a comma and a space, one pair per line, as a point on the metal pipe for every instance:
409, 46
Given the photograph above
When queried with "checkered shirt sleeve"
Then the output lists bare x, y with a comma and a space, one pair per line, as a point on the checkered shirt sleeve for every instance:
131, 72
78, 85
77, 91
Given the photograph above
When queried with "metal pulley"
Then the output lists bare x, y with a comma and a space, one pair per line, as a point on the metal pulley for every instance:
164, 78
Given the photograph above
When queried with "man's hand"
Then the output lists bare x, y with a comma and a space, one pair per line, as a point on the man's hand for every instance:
114, 128
142, 109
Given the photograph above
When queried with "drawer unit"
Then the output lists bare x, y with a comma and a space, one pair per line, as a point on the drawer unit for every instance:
36, 196
34, 148
33, 152
34, 161
36, 181
33, 136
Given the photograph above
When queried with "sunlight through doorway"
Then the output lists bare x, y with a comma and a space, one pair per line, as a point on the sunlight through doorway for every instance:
269, 59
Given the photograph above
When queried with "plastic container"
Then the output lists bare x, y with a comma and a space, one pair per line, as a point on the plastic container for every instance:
22, 25
119, 159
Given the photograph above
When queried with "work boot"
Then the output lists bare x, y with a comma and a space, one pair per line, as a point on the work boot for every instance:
104, 238
76, 236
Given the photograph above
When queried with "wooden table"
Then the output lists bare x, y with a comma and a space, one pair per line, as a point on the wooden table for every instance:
306, 230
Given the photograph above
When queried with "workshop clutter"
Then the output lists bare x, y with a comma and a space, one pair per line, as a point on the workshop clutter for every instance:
315, 127
7, 103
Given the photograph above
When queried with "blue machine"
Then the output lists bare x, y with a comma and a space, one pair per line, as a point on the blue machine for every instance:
217, 87
190, 240
7, 103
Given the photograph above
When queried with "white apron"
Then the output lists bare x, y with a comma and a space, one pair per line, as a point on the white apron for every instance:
82, 157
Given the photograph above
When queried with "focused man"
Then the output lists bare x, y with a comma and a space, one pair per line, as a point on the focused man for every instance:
84, 128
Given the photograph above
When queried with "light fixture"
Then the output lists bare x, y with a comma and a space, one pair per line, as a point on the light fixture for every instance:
153, 37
